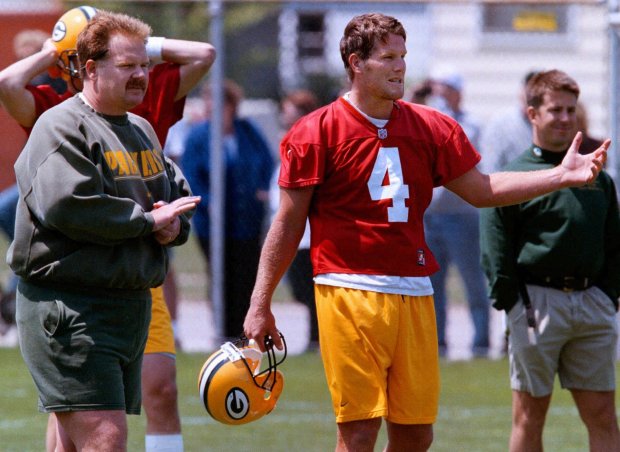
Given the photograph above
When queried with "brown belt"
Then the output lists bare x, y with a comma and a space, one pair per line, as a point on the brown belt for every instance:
564, 283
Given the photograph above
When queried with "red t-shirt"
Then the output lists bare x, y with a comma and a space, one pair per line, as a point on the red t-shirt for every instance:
373, 185
158, 106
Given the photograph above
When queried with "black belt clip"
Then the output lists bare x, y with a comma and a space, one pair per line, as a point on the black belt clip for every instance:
529, 315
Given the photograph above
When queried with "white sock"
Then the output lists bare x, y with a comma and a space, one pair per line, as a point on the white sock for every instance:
163, 443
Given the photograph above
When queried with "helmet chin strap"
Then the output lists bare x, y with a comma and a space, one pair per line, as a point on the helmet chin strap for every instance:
232, 351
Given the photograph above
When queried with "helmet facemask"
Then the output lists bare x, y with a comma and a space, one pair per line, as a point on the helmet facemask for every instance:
69, 64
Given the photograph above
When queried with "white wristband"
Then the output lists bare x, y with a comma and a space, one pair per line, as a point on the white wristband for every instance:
154, 47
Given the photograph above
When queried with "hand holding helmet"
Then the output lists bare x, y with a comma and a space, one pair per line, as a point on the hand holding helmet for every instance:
232, 385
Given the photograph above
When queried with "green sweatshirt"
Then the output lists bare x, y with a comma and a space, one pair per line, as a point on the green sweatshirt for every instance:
571, 232
87, 183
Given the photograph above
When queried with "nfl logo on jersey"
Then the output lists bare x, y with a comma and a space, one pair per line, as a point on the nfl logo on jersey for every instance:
382, 134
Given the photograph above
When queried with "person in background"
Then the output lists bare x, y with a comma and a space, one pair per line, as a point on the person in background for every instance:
117, 201
28, 42
503, 138
362, 169
249, 166
193, 112
293, 106
25, 43
182, 66
553, 265
507, 134
451, 225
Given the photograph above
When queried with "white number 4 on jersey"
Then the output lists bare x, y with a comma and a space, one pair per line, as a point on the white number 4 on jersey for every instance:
388, 161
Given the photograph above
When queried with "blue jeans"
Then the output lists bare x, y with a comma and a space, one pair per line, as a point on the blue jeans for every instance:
454, 239
8, 206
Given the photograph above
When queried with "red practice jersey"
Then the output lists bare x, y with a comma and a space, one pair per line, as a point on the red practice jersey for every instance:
158, 106
373, 185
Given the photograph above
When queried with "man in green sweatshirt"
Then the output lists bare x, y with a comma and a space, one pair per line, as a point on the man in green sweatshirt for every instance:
98, 206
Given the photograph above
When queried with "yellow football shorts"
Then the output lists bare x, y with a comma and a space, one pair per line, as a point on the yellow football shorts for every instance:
161, 336
380, 354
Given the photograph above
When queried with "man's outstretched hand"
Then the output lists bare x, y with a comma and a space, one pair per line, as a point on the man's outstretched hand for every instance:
583, 169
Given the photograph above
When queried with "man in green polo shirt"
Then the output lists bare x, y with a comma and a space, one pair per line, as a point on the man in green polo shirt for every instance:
553, 265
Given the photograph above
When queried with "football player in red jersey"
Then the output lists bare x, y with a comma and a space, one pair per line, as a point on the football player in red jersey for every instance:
363, 169
182, 66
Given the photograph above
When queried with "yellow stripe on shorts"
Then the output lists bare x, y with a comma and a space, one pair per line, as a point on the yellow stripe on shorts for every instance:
161, 336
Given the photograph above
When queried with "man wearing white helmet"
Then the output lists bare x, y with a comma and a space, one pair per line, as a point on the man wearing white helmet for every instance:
185, 63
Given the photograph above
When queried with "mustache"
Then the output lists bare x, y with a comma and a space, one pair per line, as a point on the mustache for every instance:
139, 84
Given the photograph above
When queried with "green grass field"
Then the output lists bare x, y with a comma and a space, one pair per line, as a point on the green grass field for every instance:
474, 412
